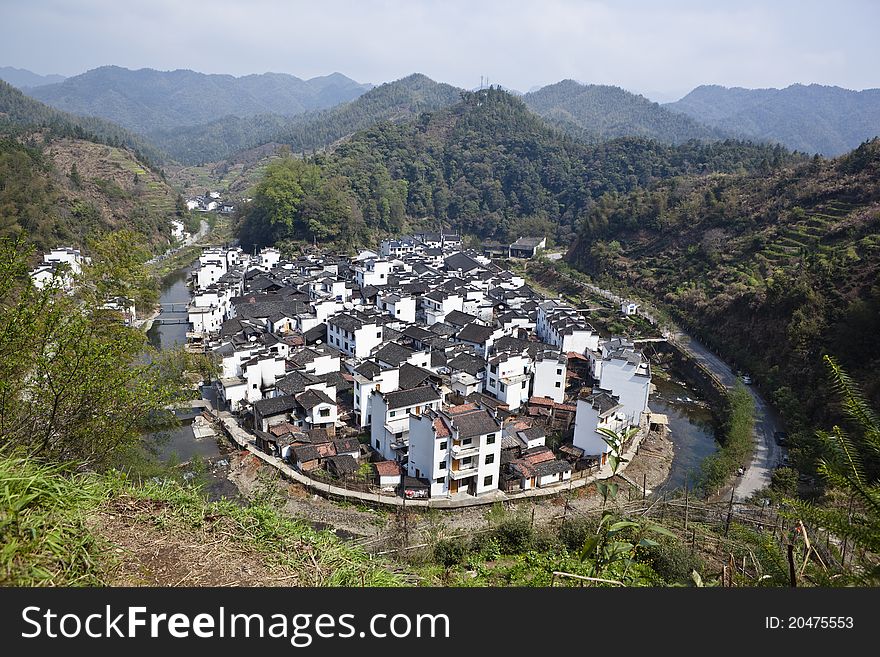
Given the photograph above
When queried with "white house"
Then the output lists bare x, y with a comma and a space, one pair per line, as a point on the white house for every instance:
400, 306
550, 371
439, 303
597, 410
367, 378
564, 327
508, 378
389, 429
372, 271
629, 308
626, 373
457, 450
354, 334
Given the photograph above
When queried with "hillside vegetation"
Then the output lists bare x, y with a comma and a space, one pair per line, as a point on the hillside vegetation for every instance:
807, 118
600, 112
20, 115
69, 190
486, 166
773, 270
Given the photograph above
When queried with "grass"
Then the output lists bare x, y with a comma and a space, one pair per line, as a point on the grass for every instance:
53, 522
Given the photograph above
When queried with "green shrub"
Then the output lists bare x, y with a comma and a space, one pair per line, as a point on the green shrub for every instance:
449, 552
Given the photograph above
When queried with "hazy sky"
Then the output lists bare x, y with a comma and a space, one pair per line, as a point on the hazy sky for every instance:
662, 48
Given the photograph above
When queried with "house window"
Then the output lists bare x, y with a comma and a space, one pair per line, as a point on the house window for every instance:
440, 480
442, 445
468, 441
490, 458
379, 335
399, 435
487, 481
392, 413
559, 372
325, 412
490, 439
377, 443
524, 384
502, 387
441, 465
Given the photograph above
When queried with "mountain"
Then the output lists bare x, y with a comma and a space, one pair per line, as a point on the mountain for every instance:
22, 78
145, 100
599, 112
486, 165
20, 113
812, 118
773, 269
65, 178
394, 101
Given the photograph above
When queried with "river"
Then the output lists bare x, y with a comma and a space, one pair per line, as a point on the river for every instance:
179, 443
691, 428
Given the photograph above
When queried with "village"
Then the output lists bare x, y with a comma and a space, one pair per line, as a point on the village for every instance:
423, 371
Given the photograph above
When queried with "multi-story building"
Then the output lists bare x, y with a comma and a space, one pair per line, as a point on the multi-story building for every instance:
565, 328
390, 411
457, 450
354, 334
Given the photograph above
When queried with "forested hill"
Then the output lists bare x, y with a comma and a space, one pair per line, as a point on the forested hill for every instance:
486, 166
20, 114
600, 112
145, 100
64, 179
394, 101
773, 270
22, 78
808, 118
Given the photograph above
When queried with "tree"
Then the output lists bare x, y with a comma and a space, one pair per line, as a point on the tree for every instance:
850, 467
118, 270
75, 385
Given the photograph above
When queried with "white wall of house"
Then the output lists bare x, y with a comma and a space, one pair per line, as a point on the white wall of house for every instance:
391, 426
549, 379
586, 423
385, 381
402, 308
631, 383
511, 381
428, 454
358, 343
373, 272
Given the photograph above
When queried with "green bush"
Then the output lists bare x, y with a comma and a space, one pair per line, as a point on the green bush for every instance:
449, 552
514, 535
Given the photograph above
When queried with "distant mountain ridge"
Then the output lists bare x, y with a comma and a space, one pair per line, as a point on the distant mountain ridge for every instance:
145, 100
600, 112
23, 78
393, 101
810, 118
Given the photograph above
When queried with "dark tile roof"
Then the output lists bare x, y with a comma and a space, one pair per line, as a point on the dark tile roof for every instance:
411, 376
475, 333
475, 423
296, 382
465, 362
368, 369
274, 405
460, 261
392, 353
311, 398
343, 445
341, 465
459, 319
411, 397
